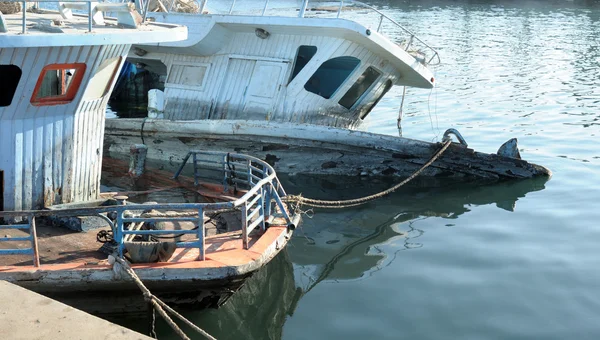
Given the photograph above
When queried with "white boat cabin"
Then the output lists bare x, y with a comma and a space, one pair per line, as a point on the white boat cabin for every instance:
58, 70
244, 65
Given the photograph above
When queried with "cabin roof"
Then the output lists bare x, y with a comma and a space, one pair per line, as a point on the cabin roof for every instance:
49, 28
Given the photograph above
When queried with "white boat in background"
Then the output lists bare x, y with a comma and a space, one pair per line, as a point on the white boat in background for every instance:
290, 85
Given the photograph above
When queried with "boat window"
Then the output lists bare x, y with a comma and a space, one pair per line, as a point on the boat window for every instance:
190, 75
102, 79
304, 55
331, 75
11, 74
383, 89
58, 84
358, 89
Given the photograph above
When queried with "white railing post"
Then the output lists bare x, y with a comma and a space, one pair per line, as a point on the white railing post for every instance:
245, 225
265, 8
202, 5
201, 254
232, 5
24, 27
340, 9
303, 8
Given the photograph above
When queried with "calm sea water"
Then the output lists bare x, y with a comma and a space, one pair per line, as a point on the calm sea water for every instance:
516, 260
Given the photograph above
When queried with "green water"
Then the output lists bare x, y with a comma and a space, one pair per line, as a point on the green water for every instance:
515, 260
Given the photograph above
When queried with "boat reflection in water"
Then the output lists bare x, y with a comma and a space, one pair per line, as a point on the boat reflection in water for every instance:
337, 245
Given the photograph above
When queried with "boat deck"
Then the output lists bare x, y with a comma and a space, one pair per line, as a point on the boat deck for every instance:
62, 249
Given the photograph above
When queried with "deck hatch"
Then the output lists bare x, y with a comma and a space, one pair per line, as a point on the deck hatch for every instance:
11, 75
363, 83
330, 76
303, 56
58, 84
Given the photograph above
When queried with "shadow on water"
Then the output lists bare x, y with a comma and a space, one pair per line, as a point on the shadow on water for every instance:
338, 245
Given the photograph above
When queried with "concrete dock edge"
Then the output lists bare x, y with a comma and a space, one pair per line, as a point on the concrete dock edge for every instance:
28, 315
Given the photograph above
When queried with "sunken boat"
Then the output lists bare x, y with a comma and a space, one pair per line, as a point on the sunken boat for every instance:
192, 238
291, 85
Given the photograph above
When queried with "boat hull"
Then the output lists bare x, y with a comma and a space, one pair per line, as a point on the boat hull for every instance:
309, 149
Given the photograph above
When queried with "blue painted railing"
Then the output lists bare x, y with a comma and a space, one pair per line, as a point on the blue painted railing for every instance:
32, 238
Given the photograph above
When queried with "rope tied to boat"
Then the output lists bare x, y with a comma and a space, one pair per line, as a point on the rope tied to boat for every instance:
300, 200
159, 305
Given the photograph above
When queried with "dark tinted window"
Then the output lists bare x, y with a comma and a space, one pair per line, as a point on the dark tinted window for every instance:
11, 74
331, 75
383, 89
362, 84
304, 55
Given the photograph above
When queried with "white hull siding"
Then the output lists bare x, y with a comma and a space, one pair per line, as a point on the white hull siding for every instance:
245, 77
52, 154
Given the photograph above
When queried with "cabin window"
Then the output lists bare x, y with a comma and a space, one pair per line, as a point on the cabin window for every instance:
358, 89
304, 55
188, 75
383, 89
331, 75
102, 79
11, 74
58, 84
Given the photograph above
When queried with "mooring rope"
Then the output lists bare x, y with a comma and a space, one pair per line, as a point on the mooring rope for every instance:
160, 306
300, 200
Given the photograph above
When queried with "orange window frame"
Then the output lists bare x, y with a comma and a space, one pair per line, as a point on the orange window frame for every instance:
71, 90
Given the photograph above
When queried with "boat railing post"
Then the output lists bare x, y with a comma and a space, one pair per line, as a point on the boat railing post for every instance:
265, 8
202, 5
119, 232
201, 254
380, 23
267, 198
146, 6
340, 9
183, 163
245, 225
250, 181
261, 202
89, 16
412, 37
303, 8
232, 5
24, 24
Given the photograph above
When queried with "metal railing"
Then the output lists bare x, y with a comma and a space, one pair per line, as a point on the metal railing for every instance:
259, 205
409, 42
94, 10
264, 191
32, 238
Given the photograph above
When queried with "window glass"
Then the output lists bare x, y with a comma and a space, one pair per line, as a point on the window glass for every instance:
362, 84
383, 89
11, 74
102, 79
58, 84
304, 55
331, 75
